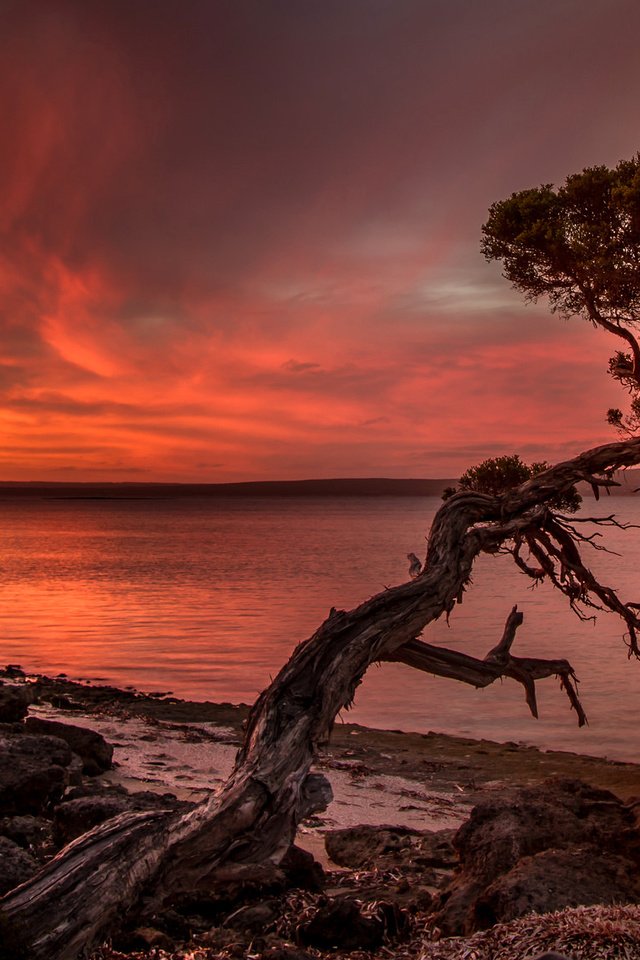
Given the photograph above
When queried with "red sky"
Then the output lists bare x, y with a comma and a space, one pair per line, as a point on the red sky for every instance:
240, 238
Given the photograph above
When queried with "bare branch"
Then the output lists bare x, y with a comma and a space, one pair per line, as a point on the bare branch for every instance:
499, 662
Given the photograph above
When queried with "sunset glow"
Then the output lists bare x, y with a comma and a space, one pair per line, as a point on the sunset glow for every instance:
241, 240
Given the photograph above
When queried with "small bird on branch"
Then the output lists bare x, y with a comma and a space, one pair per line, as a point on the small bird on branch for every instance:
414, 566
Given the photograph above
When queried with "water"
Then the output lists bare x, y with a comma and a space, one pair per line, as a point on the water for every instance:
207, 598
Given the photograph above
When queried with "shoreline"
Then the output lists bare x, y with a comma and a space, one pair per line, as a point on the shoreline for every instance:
460, 767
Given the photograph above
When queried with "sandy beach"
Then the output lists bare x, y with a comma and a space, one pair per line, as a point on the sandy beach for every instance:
378, 777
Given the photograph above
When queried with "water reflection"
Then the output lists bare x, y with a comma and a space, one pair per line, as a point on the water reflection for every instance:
207, 598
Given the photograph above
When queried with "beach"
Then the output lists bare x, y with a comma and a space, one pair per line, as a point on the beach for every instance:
398, 800
162, 741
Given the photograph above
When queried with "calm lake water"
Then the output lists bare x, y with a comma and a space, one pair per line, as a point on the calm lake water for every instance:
207, 598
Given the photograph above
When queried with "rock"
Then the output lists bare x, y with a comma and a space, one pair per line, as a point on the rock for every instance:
33, 773
529, 852
75, 817
340, 924
143, 938
81, 813
96, 753
27, 831
364, 846
555, 879
254, 917
302, 870
64, 703
16, 865
14, 703
148, 938
14, 671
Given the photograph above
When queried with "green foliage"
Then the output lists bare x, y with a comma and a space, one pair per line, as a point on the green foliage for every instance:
579, 244
497, 474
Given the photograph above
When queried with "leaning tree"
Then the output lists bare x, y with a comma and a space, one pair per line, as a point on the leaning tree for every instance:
580, 253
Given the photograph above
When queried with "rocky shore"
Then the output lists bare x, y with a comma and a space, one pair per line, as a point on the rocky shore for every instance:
434, 846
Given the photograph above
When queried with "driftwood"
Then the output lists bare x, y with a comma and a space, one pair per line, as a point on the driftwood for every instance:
79, 896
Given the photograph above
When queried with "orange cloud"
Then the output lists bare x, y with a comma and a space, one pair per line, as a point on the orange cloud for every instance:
249, 248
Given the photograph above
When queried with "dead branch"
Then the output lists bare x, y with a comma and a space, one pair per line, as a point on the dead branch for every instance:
499, 662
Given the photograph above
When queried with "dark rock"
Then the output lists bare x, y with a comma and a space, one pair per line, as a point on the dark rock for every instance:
173, 924
143, 938
11, 729
26, 831
253, 917
76, 770
340, 924
14, 703
78, 814
16, 865
96, 753
33, 773
302, 870
148, 938
219, 896
529, 852
14, 671
365, 846
64, 703
94, 788
557, 814
75, 817
555, 879
148, 800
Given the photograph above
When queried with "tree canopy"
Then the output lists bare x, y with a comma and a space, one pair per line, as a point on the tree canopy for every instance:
498, 474
579, 245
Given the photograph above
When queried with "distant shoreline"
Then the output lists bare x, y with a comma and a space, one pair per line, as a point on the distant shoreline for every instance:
334, 487
343, 487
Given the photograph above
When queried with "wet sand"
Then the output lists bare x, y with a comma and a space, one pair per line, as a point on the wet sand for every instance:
425, 781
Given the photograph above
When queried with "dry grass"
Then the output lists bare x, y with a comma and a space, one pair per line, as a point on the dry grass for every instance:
583, 933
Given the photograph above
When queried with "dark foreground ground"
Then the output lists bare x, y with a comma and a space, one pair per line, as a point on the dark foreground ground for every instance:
551, 832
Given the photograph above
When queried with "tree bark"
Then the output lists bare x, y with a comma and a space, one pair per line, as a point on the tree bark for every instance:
78, 897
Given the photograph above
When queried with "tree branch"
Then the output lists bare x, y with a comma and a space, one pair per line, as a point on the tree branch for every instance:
499, 662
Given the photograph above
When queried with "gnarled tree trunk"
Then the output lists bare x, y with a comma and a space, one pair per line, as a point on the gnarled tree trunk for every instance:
74, 901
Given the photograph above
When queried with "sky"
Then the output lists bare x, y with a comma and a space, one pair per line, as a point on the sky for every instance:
239, 239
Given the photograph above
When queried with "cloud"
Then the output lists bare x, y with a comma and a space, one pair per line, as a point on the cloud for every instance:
298, 366
248, 232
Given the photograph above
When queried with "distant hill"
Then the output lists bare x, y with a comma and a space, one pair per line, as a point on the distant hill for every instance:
338, 487
343, 487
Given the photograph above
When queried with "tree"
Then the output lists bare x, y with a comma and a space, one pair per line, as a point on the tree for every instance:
82, 894
497, 474
579, 245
